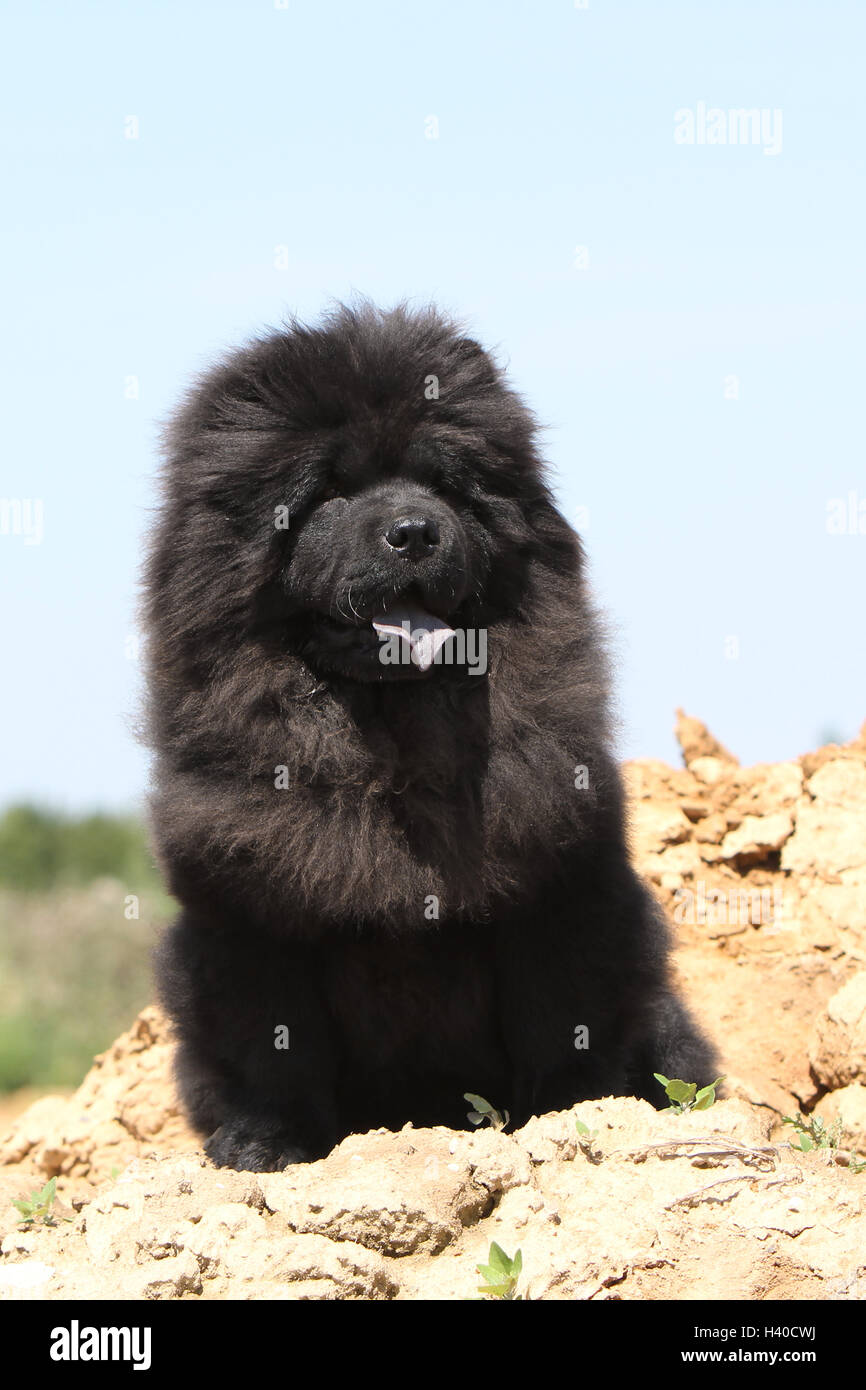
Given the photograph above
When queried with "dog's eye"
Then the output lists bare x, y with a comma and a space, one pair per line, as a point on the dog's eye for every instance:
447, 488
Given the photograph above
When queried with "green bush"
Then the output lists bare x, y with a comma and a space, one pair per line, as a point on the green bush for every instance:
42, 849
81, 904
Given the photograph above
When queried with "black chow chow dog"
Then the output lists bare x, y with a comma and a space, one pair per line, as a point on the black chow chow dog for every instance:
384, 792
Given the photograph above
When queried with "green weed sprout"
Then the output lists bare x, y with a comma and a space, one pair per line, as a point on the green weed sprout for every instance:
684, 1095
484, 1111
812, 1133
501, 1274
586, 1138
38, 1206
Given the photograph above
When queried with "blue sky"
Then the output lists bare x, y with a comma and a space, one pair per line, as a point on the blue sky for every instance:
699, 365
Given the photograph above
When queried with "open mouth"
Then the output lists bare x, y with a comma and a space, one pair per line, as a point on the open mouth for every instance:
421, 634
399, 631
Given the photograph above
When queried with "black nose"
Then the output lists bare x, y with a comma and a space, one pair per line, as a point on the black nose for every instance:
413, 536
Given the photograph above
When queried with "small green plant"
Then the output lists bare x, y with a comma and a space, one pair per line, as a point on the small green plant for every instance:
586, 1138
684, 1095
484, 1111
38, 1206
501, 1274
812, 1133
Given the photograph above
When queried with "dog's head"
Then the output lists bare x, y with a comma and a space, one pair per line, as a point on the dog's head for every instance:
363, 494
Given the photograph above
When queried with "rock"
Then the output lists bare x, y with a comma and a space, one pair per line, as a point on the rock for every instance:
673, 867
712, 829
29, 1130
837, 1050
848, 1104
757, 837
396, 1194
838, 909
841, 782
25, 1277
709, 770
767, 787
125, 1105
829, 837
696, 741
654, 826
171, 1278
761, 953
811, 762
826, 841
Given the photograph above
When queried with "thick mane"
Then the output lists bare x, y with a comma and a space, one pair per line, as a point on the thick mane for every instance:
390, 793
343, 802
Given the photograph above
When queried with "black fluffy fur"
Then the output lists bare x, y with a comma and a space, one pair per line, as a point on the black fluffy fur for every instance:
311, 904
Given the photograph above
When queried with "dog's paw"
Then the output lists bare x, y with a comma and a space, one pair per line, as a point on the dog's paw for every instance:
254, 1148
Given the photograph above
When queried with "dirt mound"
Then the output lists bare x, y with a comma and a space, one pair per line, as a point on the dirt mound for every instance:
763, 873
125, 1107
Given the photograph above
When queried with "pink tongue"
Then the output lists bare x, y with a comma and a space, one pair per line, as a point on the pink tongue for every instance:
424, 634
